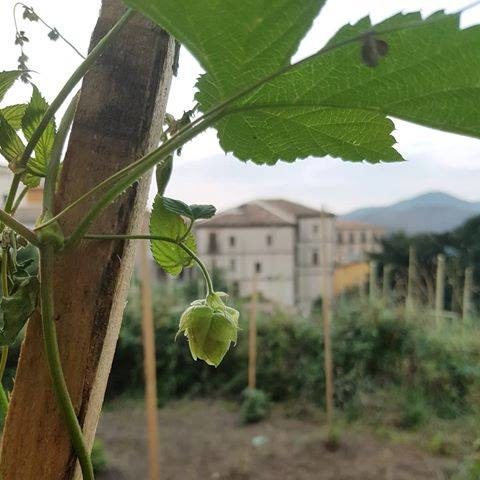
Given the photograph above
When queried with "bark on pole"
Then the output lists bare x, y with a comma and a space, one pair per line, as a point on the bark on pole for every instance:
118, 119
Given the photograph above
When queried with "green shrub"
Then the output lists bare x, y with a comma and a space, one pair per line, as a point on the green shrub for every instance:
255, 406
99, 457
373, 349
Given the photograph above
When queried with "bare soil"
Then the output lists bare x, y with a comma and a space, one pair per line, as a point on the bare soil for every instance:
202, 440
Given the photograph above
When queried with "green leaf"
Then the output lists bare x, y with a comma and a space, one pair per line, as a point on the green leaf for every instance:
7, 79
202, 211
169, 256
31, 119
195, 212
176, 206
19, 305
332, 104
13, 114
11, 146
336, 105
236, 42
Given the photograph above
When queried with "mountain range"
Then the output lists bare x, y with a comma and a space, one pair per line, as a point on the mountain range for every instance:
433, 212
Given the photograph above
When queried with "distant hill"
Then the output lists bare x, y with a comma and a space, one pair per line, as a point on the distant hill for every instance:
433, 212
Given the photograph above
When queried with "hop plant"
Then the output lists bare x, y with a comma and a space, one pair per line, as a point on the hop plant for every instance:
210, 327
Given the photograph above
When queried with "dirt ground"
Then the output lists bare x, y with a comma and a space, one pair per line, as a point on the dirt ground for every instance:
202, 440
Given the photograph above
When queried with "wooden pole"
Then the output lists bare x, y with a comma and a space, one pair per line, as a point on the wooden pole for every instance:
252, 335
440, 289
373, 281
467, 293
386, 287
326, 320
412, 280
119, 118
149, 363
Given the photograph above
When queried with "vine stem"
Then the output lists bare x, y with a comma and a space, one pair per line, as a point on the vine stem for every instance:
18, 227
55, 364
4, 355
185, 248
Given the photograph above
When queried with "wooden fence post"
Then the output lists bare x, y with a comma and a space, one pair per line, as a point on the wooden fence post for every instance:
387, 291
412, 280
119, 118
440, 288
467, 293
373, 281
327, 319
149, 362
252, 335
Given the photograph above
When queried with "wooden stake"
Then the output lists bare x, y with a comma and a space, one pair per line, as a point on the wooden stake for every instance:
149, 363
467, 293
412, 280
440, 289
387, 291
373, 281
119, 118
326, 319
252, 335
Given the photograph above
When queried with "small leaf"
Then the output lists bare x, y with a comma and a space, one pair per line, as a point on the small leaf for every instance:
168, 255
33, 115
11, 145
13, 114
202, 211
18, 306
177, 206
16, 309
7, 79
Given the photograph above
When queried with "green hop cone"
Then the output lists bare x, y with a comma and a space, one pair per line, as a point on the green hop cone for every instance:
210, 326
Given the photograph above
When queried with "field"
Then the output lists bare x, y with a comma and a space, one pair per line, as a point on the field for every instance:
203, 440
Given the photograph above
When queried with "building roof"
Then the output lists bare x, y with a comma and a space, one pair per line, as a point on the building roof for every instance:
263, 213
356, 225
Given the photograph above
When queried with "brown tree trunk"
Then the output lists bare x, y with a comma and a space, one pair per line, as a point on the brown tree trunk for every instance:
118, 119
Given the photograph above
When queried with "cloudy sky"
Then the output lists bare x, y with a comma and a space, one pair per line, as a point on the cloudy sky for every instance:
203, 174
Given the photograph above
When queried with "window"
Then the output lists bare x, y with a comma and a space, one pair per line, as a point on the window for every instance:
258, 267
269, 240
339, 238
232, 241
363, 237
352, 237
315, 228
233, 264
235, 289
315, 257
212, 243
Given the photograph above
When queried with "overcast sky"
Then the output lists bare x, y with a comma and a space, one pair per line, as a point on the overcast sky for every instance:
203, 174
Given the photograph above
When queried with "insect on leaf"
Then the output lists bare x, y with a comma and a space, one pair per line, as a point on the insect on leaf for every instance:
163, 222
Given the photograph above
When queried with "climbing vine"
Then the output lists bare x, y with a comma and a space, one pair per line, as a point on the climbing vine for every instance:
339, 101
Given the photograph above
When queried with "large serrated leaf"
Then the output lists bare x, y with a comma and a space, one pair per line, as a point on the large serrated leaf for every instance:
7, 79
333, 104
169, 256
34, 113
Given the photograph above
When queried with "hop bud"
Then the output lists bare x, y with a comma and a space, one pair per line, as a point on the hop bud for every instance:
53, 34
210, 326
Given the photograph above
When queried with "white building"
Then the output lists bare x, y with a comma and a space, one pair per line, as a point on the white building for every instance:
281, 243
286, 247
